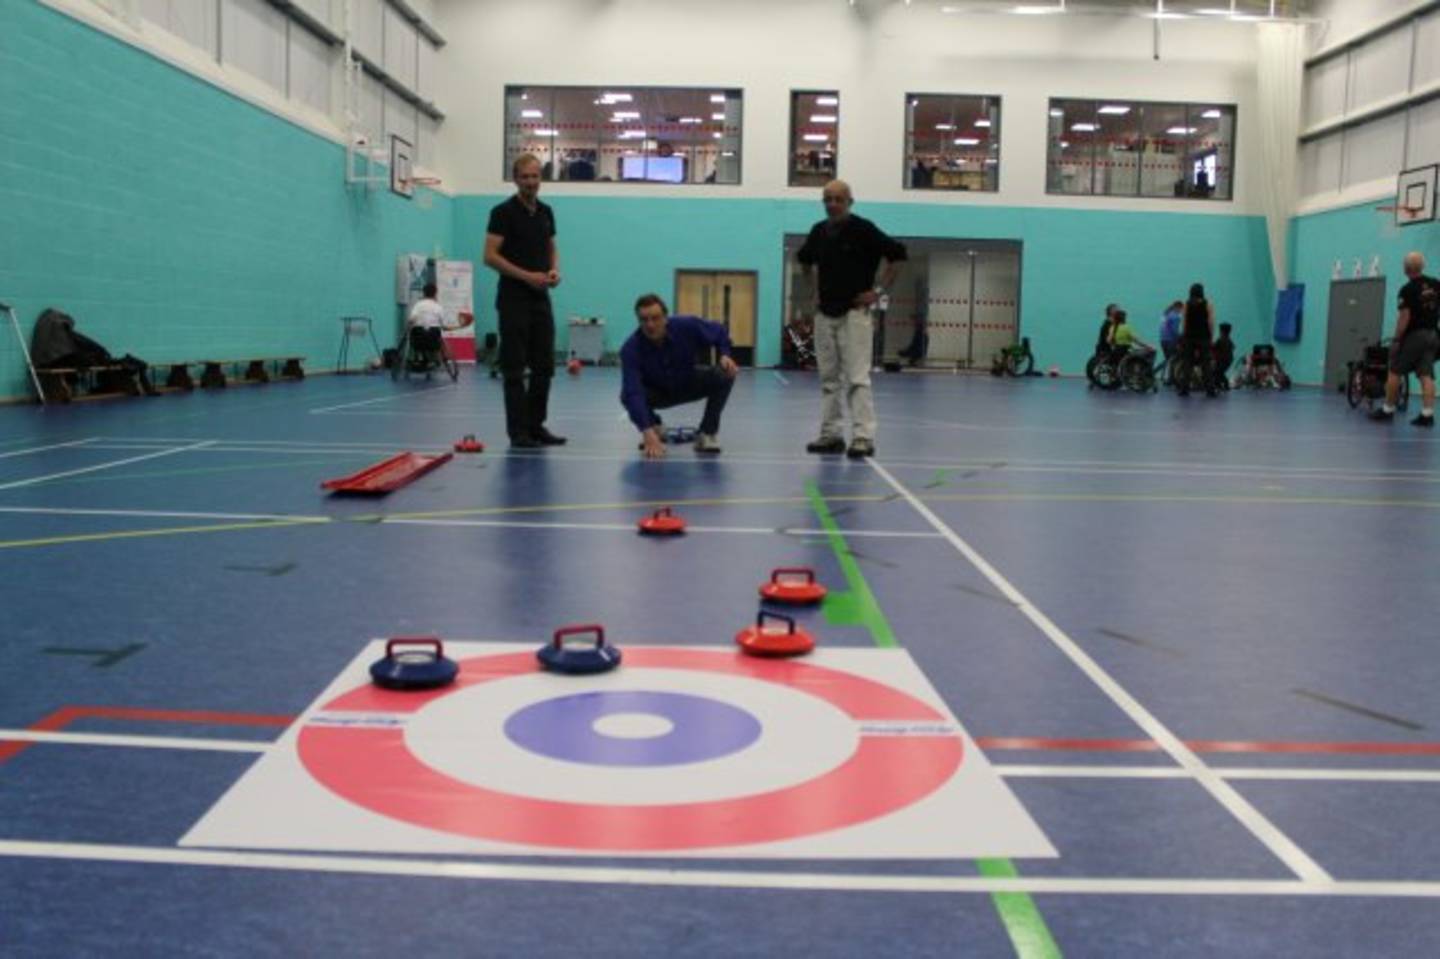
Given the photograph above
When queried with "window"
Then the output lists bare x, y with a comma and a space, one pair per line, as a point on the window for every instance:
1130, 148
952, 142
814, 137
626, 134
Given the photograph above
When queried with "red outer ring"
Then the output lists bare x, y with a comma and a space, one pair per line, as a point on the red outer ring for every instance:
374, 768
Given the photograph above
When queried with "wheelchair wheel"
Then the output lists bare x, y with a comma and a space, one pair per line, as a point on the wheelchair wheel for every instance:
1181, 373
1090, 367
1355, 387
1019, 365
1107, 375
1136, 373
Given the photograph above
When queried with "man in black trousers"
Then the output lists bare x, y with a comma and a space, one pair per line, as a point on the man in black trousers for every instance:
520, 246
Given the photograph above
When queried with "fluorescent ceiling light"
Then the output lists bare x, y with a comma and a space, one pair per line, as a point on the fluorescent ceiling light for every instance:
717, 116
691, 120
816, 138
1181, 131
827, 101
1084, 127
983, 124
1057, 113
616, 97
625, 115
966, 142
717, 98
823, 118
944, 126
1064, 144
1211, 114
532, 114
632, 134
544, 133
1114, 110
717, 135
727, 153
1036, 10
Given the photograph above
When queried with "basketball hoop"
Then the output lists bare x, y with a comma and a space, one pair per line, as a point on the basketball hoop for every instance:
424, 198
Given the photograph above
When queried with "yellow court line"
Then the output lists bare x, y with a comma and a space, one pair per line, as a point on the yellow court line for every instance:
1131, 498
632, 504
162, 531
1178, 498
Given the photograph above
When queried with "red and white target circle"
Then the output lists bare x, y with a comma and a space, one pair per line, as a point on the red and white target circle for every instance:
890, 767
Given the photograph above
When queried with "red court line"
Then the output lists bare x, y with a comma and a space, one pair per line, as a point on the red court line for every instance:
1209, 746
64, 716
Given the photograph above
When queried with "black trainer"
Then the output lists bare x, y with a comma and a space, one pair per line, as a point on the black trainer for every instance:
546, 438
860, 448
1381, 415
525, 443
832, 445
1424, 421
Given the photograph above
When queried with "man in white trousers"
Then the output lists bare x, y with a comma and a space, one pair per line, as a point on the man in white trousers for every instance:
848, 251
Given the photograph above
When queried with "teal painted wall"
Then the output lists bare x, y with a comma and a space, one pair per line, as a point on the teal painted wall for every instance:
1075, 261
173, 219
1347, 234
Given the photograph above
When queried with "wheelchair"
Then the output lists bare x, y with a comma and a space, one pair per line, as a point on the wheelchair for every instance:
1262, 370
1139, 373
1365, 379
423, 350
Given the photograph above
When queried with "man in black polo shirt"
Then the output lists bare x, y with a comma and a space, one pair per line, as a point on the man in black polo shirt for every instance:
847, 249
1416, 341
520, 246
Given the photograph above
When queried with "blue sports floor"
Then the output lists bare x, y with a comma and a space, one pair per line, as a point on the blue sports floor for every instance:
1194, 637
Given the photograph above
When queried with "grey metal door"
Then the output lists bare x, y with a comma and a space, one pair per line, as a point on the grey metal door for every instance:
1357, 314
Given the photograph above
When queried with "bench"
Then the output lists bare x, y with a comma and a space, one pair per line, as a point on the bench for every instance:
55, 382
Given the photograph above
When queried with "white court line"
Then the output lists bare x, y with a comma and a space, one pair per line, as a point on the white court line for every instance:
1305, 774
41, 449
997, 464
630, 528
669, 877
104, 466
1279, 844
382, 399
273, 450
161, 514
779, 376
139, 742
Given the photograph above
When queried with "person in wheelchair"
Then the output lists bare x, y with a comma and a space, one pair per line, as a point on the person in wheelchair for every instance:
425, 328
1262, 369
1222, 356
1123, 340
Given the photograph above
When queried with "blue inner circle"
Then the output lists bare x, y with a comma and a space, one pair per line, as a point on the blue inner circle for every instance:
563, 728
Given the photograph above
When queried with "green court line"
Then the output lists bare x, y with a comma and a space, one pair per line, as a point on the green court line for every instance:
857, 607
1022, 919
1028, 932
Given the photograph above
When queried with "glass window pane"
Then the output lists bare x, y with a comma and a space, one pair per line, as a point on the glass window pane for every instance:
1119, 147
1165, 133
952, 142
1071, 164
626, 134
1212, 147
814, 137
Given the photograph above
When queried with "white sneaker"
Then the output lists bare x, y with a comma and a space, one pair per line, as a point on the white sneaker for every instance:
705, 443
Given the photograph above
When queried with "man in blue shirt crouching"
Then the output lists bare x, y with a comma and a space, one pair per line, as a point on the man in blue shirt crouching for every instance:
659, 367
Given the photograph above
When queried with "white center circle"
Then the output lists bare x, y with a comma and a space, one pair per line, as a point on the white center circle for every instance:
632, 726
